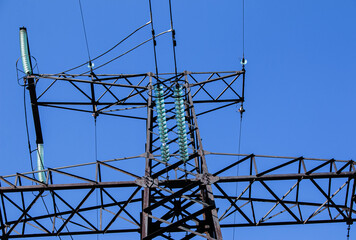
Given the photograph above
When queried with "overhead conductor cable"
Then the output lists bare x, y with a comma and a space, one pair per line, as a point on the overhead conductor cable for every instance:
241, 109
179, 100
160, 106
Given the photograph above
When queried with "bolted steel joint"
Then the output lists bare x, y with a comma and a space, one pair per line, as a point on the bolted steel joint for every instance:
147, 182
207, 178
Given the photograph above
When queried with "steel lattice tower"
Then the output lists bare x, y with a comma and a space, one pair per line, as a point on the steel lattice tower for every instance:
171, 197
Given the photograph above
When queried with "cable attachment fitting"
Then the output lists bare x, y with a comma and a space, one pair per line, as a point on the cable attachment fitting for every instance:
174, 38
348, 230
154, 37
90, 65
243, 61
241, 109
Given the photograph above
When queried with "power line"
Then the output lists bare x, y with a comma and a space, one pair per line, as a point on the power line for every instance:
243, 60
96, 159
237, 169
112, 48
31, 160
154, 39
27, 130
174, 42
85, 32
243, 29
128, 51
241, 110
348, 231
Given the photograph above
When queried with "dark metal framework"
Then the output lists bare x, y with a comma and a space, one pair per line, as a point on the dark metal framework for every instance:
108, 94
175, 199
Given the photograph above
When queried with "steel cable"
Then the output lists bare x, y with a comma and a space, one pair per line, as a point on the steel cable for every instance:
174, 42
112, 48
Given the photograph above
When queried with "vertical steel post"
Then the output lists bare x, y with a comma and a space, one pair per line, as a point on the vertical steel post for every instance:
2, 225
145, 220
207, 192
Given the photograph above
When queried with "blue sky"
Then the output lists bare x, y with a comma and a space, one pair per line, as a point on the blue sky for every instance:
300, 84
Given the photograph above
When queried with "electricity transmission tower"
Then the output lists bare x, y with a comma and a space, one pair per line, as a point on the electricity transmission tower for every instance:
181, 190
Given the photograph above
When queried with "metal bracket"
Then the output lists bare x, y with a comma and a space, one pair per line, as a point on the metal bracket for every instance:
147, 182
207, 178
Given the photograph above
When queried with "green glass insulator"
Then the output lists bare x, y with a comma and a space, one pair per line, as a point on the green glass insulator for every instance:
40, 163
25, 53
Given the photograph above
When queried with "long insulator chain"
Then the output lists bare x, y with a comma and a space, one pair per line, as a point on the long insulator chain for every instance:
27, 68
180, 117
162, 122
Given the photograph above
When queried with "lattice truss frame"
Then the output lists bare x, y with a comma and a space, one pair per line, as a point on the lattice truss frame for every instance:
288, 191
109, 94
175, 199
